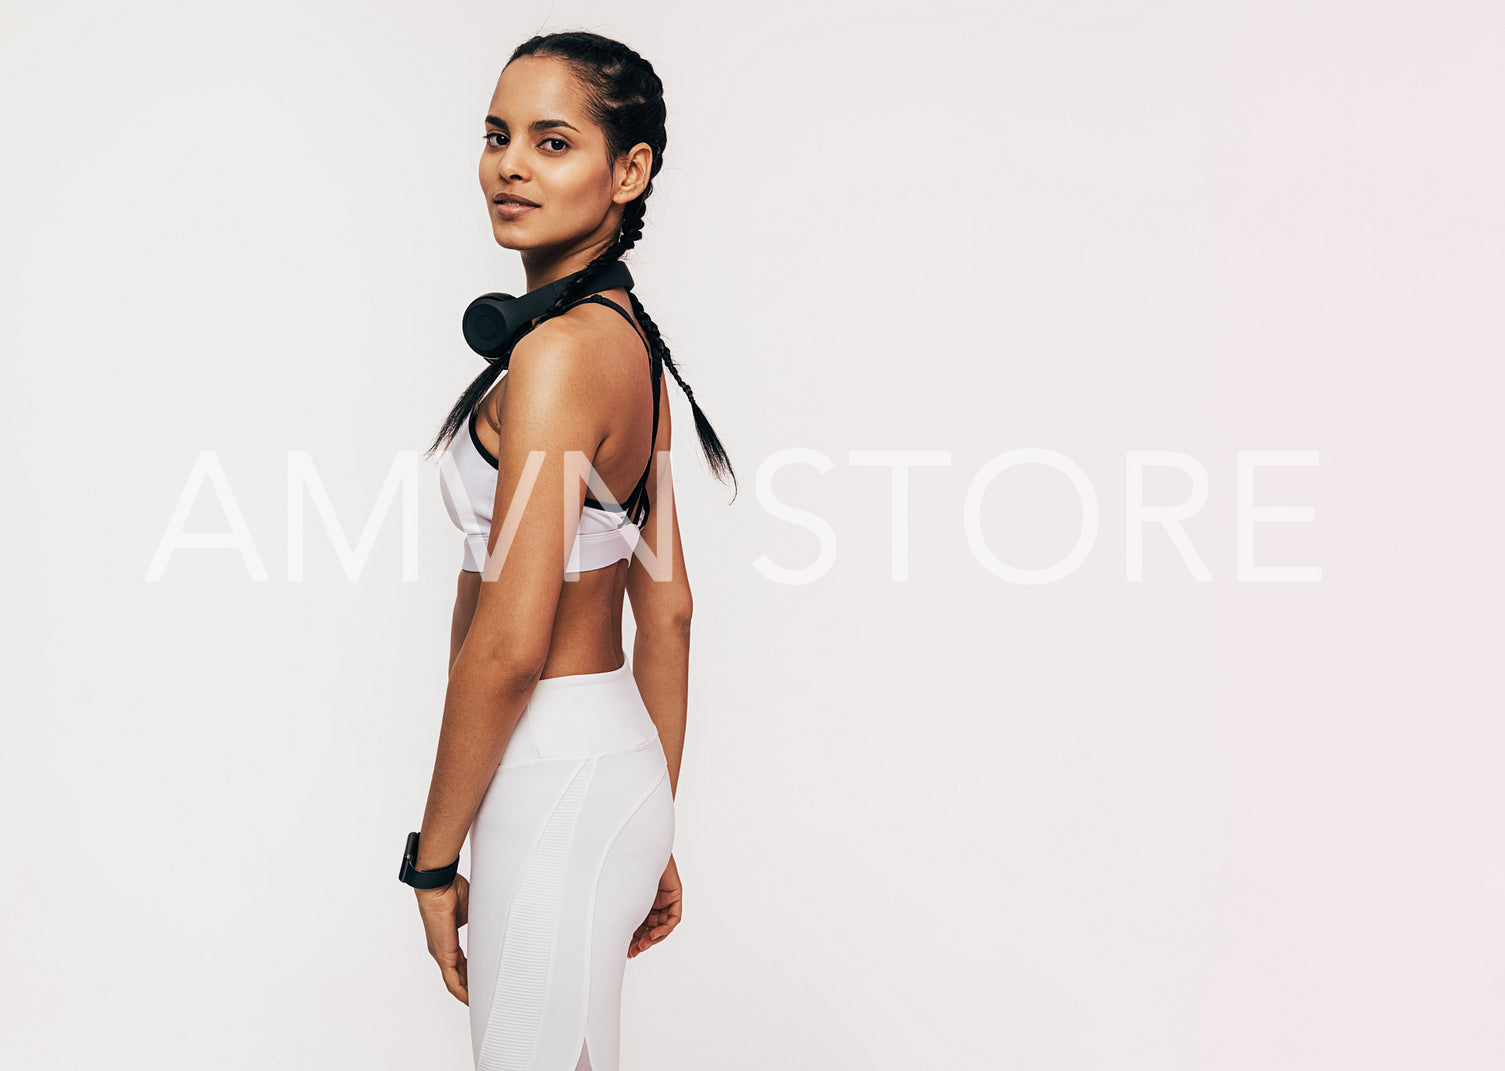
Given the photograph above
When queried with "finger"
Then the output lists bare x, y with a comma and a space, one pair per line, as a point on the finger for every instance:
665, 923
447, 952
642, 938
456, 985
449, 969
636, 944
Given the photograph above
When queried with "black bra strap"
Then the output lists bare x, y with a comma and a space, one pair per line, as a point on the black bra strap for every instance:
599, 300
638, 497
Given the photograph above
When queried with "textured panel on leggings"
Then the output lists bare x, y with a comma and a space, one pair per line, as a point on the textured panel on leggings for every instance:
528, 947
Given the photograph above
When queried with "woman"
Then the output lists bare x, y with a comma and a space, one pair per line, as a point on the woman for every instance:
558, 757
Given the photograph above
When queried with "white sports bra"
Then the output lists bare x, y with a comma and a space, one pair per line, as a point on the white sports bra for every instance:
605, 537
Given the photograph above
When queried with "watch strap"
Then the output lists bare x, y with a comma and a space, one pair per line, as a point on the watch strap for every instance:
434, 878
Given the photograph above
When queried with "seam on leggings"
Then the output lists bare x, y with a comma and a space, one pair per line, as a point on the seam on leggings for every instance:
590, 926
510, 933
512, 898
649, 742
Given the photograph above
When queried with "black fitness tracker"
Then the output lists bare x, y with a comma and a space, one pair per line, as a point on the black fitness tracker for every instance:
436, 878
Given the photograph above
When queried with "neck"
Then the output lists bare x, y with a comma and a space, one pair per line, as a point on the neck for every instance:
543, 266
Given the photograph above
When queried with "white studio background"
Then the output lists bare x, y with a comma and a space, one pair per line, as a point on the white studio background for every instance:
930, 816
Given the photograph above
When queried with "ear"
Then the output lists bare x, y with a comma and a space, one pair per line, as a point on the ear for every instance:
633, 172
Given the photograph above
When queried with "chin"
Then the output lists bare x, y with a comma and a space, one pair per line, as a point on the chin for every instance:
507, 239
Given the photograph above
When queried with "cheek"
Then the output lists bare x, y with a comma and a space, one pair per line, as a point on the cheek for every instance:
583, 185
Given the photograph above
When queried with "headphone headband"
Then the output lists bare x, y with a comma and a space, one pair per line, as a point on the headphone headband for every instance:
492, 320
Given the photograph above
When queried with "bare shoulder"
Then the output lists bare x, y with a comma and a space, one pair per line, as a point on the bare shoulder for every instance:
556, 351
590, 333
552, 372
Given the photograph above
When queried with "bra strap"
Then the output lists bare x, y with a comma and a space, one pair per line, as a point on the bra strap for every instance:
638, 496
597, 299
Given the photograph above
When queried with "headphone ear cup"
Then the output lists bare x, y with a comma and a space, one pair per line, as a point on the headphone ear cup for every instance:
486, 327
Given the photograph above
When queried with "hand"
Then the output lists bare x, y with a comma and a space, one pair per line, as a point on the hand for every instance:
444, 911
664, 916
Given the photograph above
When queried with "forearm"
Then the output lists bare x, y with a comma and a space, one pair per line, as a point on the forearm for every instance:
661, 666
482, 704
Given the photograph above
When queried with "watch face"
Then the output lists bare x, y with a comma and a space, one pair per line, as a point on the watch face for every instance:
409, 874
409, 857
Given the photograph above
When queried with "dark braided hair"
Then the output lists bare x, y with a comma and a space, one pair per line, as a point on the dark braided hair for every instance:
626, 99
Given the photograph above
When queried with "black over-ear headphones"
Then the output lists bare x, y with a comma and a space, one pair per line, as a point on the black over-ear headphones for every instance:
492, 320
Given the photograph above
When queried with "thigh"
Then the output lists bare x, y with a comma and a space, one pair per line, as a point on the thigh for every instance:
510, 839
565, 860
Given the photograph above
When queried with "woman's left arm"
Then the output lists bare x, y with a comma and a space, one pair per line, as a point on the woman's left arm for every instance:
546, 414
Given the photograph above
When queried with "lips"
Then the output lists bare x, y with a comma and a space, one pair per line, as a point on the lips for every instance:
512, 199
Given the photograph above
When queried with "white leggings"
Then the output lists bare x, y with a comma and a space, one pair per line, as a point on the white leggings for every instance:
566, 852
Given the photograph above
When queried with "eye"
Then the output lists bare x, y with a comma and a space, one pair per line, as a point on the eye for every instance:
494, 134
562, 143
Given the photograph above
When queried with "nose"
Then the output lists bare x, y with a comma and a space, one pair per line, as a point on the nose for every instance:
506, 163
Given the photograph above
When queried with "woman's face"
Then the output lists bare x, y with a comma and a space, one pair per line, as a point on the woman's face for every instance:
541, 146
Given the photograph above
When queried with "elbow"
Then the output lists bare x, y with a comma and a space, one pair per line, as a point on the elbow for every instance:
511, 669
674, 612
672, 620
679, 608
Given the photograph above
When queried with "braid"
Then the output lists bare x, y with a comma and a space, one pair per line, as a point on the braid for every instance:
626, 98
720, 464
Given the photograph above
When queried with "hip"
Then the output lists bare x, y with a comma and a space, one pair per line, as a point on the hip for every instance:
582, 714
584, 766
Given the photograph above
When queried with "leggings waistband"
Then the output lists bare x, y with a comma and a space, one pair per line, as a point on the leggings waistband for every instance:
581, 714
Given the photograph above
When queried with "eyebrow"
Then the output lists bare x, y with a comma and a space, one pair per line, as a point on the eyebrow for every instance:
536, 125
